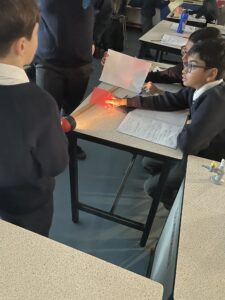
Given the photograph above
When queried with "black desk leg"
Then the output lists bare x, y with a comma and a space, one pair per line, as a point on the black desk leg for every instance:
155, 202
73, 170
142, 50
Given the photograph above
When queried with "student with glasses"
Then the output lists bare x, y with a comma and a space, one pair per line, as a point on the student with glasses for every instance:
174, 74
203, 95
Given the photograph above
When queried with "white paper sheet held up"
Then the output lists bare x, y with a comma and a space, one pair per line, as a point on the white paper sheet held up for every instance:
173, 40
154, 126
125, 71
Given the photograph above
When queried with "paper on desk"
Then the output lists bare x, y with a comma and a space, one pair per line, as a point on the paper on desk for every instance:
125, 71
154, 126
173, 40
187, 28
174, 4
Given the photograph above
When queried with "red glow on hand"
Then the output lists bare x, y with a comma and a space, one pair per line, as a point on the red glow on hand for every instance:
99, 97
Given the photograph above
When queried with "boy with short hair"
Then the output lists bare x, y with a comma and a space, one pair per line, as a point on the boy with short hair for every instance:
204, 133
174, 74
33, 148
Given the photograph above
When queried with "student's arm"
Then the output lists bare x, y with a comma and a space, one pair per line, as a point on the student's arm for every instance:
207, 122
167, 102
51, 151
170, 75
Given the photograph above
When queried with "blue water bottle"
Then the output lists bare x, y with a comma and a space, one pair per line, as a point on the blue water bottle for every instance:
183, 21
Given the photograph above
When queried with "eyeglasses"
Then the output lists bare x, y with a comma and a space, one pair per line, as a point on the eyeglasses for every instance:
191, 67
183, 51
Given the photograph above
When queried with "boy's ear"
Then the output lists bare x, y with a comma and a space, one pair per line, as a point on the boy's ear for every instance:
212, 74
19, 46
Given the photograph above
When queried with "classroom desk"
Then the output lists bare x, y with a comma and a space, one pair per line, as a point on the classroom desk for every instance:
220, 27
34, 267
152, 39
96, 124
192, 21
200, 270
194, 2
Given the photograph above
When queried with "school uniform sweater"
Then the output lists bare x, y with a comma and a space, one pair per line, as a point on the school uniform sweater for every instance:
170, 75
66, 31
205, 136
33, 147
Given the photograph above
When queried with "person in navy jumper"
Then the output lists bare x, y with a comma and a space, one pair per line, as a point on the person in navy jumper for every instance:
203, 95
64, 55
33, 145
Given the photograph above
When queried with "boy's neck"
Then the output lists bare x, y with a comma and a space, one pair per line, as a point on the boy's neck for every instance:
208, 82
12, 61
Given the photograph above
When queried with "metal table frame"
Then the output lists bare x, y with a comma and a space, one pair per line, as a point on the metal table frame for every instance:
76, 205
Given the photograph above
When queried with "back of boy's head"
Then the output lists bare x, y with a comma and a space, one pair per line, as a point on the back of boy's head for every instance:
205, 33
17, 19
212, 52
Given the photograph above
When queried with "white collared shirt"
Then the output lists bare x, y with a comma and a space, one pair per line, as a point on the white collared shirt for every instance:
11, 75
206, 87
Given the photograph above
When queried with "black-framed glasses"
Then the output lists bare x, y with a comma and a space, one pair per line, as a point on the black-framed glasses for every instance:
191, 67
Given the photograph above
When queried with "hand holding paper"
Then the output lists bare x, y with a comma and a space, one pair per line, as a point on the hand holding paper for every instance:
125, 71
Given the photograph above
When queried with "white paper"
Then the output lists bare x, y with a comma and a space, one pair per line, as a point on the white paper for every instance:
174, 4
125, 71
173, 40
187, 28
154, 126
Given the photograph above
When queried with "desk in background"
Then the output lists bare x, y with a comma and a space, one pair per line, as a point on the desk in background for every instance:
152, 39
220, 27
34, 267
192, 21
200, 270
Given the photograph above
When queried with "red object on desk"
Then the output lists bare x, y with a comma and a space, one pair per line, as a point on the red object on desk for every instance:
99, 96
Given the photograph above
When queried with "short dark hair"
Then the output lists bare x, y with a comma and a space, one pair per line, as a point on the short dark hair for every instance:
212, 52
205, 33
17, 19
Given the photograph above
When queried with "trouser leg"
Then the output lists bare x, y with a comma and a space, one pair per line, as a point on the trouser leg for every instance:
75, 86
51, 79
38, 221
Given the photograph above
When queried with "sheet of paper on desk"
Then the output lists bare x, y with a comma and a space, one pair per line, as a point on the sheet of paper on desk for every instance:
173, 40
154, 126
125, 71
187, 28
174, 4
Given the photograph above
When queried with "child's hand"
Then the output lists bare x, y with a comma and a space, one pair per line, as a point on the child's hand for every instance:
188, 122
117, 101
150, 87
103, 60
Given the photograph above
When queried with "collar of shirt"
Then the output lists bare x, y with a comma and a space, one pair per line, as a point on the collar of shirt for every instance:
11, 75
206, 87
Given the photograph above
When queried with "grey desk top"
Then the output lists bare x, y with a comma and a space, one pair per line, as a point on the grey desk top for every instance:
102, 123
195, 2
34, 267
155, 34
201, 253
191, 18
220, 27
